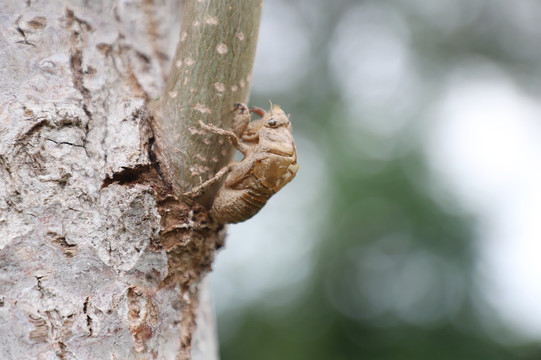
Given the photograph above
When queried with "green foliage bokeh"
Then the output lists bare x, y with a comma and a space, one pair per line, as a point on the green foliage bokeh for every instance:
384, 224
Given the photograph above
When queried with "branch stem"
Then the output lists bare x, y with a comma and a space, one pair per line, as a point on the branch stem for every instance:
210, 73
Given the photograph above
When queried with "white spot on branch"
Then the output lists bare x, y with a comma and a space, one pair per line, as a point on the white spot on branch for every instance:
221, 49
211, 20
219, 87
173, 94
183, 36
196, 23
234, 88
197, 170
178, 63
202, 109
189, 61
240, 36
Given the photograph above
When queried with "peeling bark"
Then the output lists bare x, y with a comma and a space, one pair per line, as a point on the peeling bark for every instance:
98, 258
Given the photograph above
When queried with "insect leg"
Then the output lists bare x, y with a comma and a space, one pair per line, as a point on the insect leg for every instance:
199, 189
233, 139
257, 110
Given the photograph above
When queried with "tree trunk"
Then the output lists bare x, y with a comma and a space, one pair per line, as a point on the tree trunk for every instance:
100, 256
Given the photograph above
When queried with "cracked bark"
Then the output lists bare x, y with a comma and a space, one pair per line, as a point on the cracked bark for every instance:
99, 259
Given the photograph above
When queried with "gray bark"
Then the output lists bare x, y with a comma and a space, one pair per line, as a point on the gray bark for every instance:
84, 273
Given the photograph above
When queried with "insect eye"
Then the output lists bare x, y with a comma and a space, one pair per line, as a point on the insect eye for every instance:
272, 122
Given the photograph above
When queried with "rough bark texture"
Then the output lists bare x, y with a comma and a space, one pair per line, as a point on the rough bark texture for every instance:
98, 259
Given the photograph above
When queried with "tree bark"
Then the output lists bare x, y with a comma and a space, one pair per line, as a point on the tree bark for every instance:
100, 257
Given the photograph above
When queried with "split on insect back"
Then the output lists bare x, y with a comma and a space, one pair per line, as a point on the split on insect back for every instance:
270, 162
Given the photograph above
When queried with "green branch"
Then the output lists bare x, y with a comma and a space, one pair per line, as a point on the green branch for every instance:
211, 72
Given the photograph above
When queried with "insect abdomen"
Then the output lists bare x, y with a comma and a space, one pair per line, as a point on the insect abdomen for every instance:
233, 206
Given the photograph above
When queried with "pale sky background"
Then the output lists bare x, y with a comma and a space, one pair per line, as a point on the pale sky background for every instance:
485, 145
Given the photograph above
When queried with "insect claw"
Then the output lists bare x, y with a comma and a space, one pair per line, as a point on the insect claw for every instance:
240, 106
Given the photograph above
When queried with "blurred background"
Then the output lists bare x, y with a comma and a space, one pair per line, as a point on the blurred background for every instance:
412, 230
